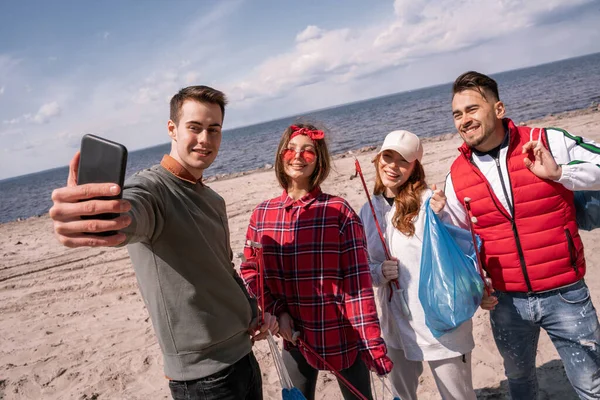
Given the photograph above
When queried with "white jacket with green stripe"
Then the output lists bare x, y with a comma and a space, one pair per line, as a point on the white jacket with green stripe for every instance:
579, 158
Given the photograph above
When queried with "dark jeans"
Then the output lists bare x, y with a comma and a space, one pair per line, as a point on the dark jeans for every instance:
304, 377
241, 381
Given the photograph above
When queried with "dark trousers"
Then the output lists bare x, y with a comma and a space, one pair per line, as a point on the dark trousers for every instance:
241, 381
304, 377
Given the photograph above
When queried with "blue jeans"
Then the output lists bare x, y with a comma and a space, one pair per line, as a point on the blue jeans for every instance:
241, 381
569, 318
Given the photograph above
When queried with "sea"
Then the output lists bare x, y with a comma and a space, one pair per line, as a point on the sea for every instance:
528, 93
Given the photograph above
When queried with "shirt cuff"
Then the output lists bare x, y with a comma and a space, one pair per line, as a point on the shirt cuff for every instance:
566, 176
377, 276
279, 307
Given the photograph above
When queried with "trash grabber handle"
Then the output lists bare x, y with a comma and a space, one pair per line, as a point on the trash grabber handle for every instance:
379, 231
257, 247
472, 219
331, 369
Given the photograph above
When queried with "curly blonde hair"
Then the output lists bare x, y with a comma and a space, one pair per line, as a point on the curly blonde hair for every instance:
408, 200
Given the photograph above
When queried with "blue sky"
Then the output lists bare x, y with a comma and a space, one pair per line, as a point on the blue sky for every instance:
109, 67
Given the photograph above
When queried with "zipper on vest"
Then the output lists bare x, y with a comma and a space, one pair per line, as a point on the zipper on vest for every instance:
510, 205
513, 223
572, 251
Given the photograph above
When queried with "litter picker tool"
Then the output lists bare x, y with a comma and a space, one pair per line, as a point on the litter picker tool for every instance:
288, 391
337, 374
379, 231
343, 380
473, 220
384, 388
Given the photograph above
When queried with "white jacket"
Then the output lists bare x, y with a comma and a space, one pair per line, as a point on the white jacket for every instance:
400, 331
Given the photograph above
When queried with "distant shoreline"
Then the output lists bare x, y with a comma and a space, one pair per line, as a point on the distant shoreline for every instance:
371, 148
438, 138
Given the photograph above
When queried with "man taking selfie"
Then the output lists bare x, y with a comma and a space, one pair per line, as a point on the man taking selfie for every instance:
177, 235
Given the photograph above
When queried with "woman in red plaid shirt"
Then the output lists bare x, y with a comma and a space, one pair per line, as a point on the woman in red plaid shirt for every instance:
317, 278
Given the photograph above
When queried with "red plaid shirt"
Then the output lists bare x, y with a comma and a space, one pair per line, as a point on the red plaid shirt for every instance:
316, 269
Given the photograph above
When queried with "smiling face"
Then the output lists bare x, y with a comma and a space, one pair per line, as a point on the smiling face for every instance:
299, 160
477, 120
196, 138
394, 171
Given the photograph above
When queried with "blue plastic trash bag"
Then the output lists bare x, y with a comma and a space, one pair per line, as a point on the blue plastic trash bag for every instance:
292, 394
450, 288
587, 207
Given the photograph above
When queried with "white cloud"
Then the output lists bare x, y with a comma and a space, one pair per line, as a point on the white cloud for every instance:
47, 112
13, 121
70, 139
311, 32
409, 11
2, 88
418, 43
145, 95
44, 115
420, 28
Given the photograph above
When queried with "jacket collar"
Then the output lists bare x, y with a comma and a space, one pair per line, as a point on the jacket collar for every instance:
174, 167
509, 126
304, 201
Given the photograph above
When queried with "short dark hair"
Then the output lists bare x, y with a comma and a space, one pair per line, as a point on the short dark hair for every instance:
322, 168
481, 83
201, 94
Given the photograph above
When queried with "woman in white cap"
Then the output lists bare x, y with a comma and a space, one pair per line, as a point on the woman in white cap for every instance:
399, 196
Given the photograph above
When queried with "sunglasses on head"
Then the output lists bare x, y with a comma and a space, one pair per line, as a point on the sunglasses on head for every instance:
308, 155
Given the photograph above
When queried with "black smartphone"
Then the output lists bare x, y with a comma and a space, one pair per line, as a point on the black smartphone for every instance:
102, 161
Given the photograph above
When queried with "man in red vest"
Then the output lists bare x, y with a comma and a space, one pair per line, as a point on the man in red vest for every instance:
520, 182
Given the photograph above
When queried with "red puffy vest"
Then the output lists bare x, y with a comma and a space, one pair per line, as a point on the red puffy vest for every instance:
538, 248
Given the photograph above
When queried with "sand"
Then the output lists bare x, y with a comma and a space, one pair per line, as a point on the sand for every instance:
74, 326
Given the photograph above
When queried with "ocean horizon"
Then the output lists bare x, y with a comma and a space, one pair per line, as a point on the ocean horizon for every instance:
528, 93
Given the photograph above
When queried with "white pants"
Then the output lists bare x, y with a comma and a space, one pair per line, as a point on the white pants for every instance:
452, 376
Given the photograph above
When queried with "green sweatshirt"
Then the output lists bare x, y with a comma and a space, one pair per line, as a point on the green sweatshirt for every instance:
179, 246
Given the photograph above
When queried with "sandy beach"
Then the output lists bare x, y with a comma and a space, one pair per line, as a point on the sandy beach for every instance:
73, 324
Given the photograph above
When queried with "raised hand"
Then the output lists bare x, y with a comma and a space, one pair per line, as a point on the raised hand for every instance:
72, 201
544, 165
438, 199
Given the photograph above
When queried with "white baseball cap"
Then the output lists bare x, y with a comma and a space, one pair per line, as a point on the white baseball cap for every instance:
405, 143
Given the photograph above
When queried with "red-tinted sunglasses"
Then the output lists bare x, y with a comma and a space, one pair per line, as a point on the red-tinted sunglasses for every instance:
308, 155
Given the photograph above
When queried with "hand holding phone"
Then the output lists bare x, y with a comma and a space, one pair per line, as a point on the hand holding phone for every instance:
102, 161
93, 200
